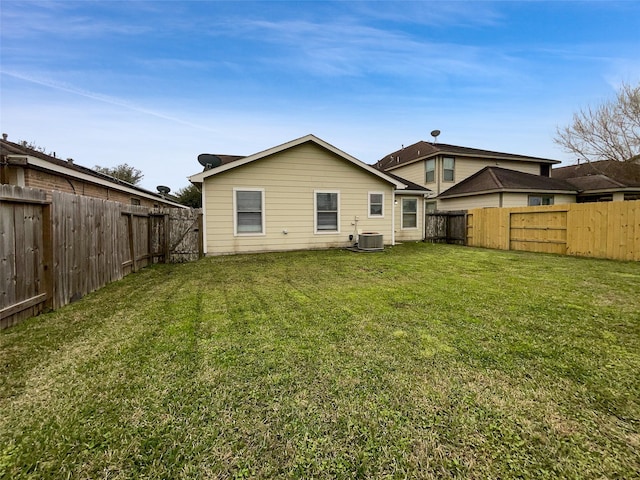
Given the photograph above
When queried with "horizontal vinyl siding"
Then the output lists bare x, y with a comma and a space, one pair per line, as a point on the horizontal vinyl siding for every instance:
409, 235
493, 200
290, 179
414, 172
522, 199
562, 199
465, 167
466, 203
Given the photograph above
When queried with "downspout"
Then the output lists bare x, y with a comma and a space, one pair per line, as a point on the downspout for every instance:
204, 220
424, 218
393, 215
437, 173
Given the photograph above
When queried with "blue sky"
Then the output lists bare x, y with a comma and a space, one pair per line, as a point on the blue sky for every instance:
154, 84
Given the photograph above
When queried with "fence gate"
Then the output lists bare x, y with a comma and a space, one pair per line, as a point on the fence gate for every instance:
446, 227
538, 231
177, 234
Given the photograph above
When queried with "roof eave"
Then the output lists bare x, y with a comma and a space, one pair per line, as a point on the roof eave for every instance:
52, 167
515, 158
411, 192
200, 177
609, 190
508, 190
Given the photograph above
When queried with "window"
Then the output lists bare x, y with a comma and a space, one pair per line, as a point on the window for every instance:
431, 170
545, 170
249, 211
535, 200
448, 172
409, 213
135, 201
327, 206
431, 207
376, 204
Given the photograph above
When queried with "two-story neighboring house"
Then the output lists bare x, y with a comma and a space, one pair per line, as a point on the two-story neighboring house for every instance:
439, 166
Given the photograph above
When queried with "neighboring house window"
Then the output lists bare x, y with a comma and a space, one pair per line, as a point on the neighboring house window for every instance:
249, 211
135, 201
376, 204
431, 207
409, 213
327, 207
431, 170
545, 170
535, 200
448, 172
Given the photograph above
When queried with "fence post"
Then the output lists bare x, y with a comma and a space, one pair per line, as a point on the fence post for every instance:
132, 241
166, 247
200, 236
47, 245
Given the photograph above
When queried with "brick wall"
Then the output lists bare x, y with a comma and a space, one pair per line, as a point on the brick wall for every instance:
48, 181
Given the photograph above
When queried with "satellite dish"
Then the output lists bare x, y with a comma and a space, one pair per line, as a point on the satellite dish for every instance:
434, 134
208, 160
163, 190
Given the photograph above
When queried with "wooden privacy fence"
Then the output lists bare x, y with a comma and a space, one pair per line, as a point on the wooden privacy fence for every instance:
54, 251
602, 230
446, 227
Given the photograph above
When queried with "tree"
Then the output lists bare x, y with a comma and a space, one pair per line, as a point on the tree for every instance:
34, 146
122, 172
190, 196
609, 132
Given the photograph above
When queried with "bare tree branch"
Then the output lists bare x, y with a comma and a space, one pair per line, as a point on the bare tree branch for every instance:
609, 132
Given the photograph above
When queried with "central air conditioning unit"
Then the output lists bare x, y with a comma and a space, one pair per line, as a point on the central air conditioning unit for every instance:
370, 241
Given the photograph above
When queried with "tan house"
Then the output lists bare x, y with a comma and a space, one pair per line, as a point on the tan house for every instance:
439, 167
26, 167
303, 194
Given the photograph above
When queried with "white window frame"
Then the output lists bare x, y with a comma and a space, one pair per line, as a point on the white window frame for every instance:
445, 170
380, 215
235, 212
417, 212
542, 198
315, 213
430, 161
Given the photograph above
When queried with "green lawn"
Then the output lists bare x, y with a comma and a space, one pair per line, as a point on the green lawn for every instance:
424, 361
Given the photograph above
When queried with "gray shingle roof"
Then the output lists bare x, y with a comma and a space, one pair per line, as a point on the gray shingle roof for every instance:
503, 179
601, 175
424, 149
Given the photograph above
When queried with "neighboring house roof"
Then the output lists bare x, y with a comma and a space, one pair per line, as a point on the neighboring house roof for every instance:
411, 188
497, 179
423, 150
606, 175
229, 158
14, 151
236, 162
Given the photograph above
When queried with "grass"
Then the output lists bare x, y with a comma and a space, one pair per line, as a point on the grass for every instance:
424, 361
